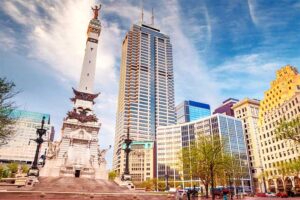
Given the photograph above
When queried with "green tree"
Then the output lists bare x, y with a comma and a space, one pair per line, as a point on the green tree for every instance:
204, 159
112, 175
6, 107
284, 169
289, 130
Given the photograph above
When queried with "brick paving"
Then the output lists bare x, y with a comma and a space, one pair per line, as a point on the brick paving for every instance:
95, 196
77, 188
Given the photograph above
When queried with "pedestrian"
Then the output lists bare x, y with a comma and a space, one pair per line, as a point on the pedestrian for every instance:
225, 192
194, 193
188, 193
179, 193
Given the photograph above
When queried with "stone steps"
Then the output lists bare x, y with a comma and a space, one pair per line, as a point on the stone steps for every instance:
70, 184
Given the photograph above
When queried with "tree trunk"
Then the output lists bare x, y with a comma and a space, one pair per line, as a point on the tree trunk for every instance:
212, 182
206, 190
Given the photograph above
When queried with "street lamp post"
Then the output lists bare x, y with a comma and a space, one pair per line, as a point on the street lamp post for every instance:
127, 150
39, 140
167, 180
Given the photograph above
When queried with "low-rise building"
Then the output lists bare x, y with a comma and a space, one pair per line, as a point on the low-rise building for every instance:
171, 140
188, 111
226, 107
19, 148
247, 110
141, 166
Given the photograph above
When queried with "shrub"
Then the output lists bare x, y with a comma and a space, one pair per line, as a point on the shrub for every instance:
25, 168
112, 175
13, 167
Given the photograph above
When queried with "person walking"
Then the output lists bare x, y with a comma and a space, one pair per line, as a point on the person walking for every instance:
188, 193
179, 193
194, 193
225, 192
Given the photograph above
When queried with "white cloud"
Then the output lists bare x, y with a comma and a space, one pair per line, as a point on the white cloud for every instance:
7, 41
250, 74
251, 6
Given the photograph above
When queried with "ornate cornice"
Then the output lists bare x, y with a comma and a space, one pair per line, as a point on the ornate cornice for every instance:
84, 96
80, 126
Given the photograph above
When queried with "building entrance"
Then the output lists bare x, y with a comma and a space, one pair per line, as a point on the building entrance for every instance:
77, 173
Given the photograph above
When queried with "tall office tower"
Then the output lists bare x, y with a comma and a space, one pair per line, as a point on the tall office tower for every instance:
188, 111
247, 110
226, 107
280, 102
18, 147
146, 91
171, 140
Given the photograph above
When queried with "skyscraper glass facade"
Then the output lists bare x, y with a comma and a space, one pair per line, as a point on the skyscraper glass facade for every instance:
146, 90
189, 111
171, 139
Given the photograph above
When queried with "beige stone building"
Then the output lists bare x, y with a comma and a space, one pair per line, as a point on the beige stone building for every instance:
280, 102
247, 110
141, 162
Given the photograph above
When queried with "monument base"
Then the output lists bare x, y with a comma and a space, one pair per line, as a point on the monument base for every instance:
56, 168
125, 183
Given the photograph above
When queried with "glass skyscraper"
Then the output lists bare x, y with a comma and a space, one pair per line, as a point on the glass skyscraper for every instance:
189, 111
171, 140
146, 90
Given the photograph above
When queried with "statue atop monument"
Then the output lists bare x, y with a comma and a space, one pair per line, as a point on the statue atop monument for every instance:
96, 11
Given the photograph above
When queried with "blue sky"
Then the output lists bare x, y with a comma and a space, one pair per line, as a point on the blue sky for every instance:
221, 49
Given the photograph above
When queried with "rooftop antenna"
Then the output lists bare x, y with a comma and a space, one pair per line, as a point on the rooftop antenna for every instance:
152, 18
142, 17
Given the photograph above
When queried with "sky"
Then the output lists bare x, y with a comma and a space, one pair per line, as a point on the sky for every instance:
221, 49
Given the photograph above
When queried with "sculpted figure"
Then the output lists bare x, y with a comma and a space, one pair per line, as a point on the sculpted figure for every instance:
92, 159
65, 156
101, 155
96, 11
52, 150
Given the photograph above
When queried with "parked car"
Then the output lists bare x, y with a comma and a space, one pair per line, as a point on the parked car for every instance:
270, 194
261, 195
282, 195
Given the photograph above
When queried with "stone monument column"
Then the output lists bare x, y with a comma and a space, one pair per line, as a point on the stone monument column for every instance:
77, 153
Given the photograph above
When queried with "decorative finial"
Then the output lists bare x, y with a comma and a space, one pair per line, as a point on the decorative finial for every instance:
96, 11
152, 18
142, 17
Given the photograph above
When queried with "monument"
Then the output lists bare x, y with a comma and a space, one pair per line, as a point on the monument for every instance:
77, 153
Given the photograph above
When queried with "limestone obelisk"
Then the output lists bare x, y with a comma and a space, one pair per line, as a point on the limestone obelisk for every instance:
77, 153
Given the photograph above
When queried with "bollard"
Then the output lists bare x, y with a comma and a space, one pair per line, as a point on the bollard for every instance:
135, 197
92, 196
42, 195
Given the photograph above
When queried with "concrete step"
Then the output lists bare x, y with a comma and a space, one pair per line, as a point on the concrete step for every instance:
71, 184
